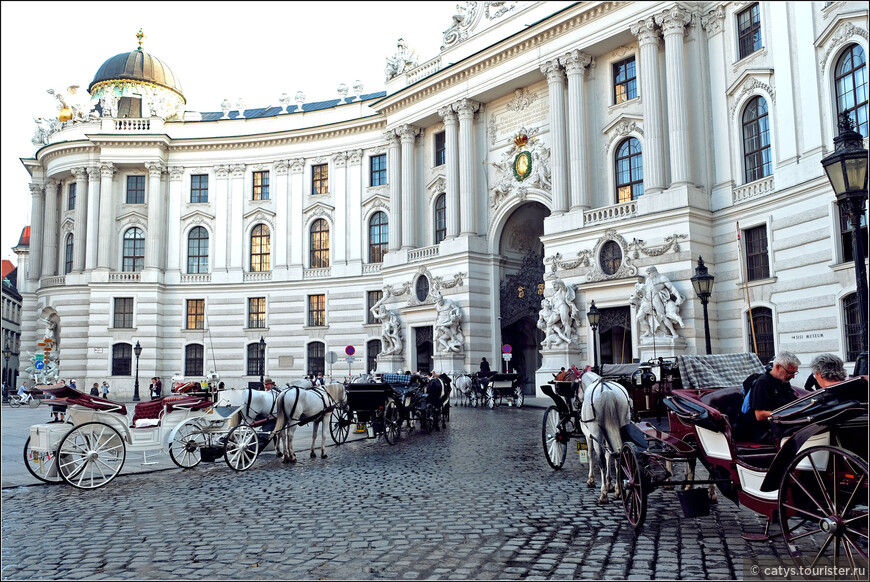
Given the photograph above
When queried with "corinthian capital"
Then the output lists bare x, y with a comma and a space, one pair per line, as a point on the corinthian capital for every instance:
297, 165
80, 173
107, 169
35, 189
466, 108
155, 169
354, 157
673, 21
339, 159
447, 114
93, 173
553, 71
408, 132
575, 62
712, 21
646, 31
392, 137
176, 173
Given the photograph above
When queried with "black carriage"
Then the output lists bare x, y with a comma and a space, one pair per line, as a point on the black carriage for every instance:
648, 383
561, 422
503, 387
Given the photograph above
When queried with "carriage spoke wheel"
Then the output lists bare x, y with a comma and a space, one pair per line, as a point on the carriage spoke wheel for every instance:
428, 419
632, 485
490, 397
823, 509
242, 448
185, 448
554, 439
41, 464
392, 422
91, 455
519, 397
339, 424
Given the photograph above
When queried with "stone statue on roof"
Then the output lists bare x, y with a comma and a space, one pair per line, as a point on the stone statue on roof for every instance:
401, 62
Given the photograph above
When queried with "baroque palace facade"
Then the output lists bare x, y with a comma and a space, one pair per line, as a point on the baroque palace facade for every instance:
551, 151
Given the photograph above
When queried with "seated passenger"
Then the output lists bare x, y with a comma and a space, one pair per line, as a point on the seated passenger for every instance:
827, 369
766, 393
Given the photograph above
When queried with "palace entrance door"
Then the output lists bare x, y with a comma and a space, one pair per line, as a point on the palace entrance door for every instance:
520, 297
614, 331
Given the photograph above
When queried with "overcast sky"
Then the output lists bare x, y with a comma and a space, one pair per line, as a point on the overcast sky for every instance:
217, 50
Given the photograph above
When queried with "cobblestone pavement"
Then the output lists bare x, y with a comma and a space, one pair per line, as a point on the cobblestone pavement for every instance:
474, 501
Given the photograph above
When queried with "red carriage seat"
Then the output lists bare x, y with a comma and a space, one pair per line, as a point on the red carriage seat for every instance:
152, 409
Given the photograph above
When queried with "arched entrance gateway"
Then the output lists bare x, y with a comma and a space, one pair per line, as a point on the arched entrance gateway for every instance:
521, 290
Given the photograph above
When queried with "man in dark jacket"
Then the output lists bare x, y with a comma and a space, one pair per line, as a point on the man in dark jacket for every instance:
434, 391
769, 391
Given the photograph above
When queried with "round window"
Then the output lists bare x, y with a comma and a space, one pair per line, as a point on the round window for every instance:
610, 257
422, 288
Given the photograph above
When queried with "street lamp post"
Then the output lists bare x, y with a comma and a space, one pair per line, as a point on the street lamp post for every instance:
847, 172
262, 362
703, 284
7, 353
138, 351
594, 317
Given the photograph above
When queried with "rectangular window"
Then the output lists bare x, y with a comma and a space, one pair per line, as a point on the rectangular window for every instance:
373, 298
624, 80
749, 30
135, 189
846, 236
261, 185
320, 179
316, 310
123, 312
440, 148
378, 170
194, 355
196, 314
122, 360
757, 261
257, 312
199, 188
71, 197
256, 360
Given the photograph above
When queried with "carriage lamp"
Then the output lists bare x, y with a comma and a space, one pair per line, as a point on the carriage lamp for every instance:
594, 317
847, 172
138, 351
262, 362
7, 353
702, 281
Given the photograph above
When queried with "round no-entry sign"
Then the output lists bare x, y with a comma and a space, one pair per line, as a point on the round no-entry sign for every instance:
349, 350
506, 348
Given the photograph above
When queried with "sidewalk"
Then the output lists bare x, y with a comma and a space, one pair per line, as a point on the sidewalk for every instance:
15, 429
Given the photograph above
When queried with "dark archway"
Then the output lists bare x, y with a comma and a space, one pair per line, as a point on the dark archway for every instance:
614, 334
423, 343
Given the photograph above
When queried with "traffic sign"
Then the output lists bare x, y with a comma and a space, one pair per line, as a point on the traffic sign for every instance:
349, 350
350, 359
39, 365
506, 348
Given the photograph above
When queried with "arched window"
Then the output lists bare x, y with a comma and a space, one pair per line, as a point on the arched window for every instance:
197, 250
193, 360
850, 78
756, 140
261, 249
762, 321
134, 250
440, 218
379, 231
316, 364
373, 349
256, 361
122, 356
68, 254
319, 244
629, 171
853, 327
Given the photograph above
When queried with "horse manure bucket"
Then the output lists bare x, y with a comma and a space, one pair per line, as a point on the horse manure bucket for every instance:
694, 502
209, 454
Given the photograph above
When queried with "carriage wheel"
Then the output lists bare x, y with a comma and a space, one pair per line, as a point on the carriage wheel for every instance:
823, 508
632, 485
473, 398
41, 464
339, 424
242, 448
91, 455
428, 419
519, 397
392, 423
555, 442
490, 397
185, 449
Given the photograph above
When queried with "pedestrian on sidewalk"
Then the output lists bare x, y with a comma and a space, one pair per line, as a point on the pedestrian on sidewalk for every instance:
105, 389
95, 389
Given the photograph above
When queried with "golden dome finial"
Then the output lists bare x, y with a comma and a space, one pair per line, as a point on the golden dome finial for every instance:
140, 35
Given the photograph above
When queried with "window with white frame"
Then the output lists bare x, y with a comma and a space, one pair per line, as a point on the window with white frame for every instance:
756, 140
850, 80
749, 31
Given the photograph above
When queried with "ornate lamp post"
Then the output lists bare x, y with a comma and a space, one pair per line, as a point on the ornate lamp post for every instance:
703, 284
847, 172
7, 353
262, 362
138, 351
594, 317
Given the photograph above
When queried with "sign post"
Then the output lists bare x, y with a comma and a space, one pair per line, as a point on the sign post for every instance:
506, 356
350, 351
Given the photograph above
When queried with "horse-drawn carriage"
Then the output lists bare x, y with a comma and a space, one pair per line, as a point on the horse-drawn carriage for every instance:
488, 389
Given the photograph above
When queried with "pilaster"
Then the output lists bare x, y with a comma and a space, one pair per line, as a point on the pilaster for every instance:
394, 169
174, 247
451, 142
465, 110
156, 226
49, 237
673, 23
93, 231
107, 237
653, 147
575, 64
408, 135
81, 218
559, 168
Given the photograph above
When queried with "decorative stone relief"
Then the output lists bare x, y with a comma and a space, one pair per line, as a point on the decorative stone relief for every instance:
749, 85
522, 99
419, 289
657, 305
354, 157
176, 173
439, 283
221, 171
281, 167
238, 170
463, 22
339, 159
495, 10
843, 33
524, 166
559, 317
671, 243
713, 20
623, 128
297, 166
260, 216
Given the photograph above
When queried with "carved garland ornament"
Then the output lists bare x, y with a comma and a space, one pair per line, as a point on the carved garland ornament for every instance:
748, 86
844, 32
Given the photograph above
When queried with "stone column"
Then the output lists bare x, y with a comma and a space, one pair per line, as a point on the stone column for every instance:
49, 240
36, 233
451, 142
466, 109
338, 186
558, 146
156, 226
354, 236
575, 63
93, 233
394, 170
107, 238
236, 243
281, 240
221, 217
673, 23
653, 146
408, 134
81, 219
297, 230
175, 248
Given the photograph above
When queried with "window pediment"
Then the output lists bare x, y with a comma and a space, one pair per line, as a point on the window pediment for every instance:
133, 216
197, 214
622, 126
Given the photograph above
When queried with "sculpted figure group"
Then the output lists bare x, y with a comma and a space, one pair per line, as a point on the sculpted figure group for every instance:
559, 317
657, 302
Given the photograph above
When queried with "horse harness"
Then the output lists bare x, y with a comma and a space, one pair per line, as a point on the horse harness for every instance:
272, 410
320, 391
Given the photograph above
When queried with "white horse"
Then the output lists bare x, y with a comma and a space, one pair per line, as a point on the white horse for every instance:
463, 391
605, 409
298, 406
